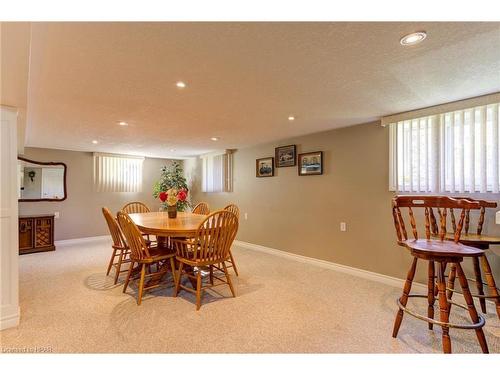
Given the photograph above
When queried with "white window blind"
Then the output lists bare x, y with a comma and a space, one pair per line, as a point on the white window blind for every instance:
217, 172
115, 173
456, 152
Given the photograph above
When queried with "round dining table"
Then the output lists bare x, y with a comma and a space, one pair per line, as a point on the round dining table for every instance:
163, 227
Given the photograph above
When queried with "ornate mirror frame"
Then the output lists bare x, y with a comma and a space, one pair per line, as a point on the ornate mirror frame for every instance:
64, 181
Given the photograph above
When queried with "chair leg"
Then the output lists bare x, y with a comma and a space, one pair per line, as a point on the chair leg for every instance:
443, 309
119, 266
430, 292
451, 280
211, 275
233, 263
141, 284
178, 282
228, 278
404, 298
198, 290
472, 309
111, 261
490, 280
479, 283
172, 267
129, 273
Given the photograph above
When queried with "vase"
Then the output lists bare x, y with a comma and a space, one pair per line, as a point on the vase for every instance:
172, 212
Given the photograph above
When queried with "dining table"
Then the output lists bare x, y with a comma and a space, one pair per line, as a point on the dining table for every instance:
158, 224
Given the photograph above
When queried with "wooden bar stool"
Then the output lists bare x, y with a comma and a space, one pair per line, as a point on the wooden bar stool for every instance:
439, 252
480, 241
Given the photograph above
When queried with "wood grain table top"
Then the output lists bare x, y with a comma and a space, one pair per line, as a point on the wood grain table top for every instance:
159, 224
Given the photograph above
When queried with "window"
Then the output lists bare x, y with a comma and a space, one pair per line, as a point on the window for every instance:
113, 173
217, 172
455, 152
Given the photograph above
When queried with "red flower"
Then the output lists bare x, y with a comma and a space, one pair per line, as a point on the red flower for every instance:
182, 195
163, 196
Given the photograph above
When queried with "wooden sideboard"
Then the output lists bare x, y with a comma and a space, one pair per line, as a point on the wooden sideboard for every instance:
36, 233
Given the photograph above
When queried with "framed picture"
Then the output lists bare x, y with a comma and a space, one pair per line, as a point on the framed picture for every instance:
286, 156
264, 167
311, 163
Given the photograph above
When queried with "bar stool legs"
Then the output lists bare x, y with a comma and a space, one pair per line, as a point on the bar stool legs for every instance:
439, 267
491, 283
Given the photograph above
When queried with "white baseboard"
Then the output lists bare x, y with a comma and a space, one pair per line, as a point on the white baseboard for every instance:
9, 316
373, 276
75, 241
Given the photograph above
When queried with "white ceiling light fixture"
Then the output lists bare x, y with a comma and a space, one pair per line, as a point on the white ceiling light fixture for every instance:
95, 142
413, 38
215, 139
172, 150
291, 118
123, 123
180, 84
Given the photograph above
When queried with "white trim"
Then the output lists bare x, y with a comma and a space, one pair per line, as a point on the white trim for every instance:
373, 276
9, 317
75, 241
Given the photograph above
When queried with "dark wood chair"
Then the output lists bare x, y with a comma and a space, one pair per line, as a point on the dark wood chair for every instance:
207, 249
144, 256
479, 263
201, 208
438, 252
235, 210
120, 248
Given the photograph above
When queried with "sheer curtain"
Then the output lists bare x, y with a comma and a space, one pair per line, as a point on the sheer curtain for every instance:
115, 173
456, 152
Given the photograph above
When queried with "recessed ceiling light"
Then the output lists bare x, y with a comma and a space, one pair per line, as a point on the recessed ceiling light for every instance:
413, 38
172, 150
215, 139
291, 118
180, 84
95, 142
123, 123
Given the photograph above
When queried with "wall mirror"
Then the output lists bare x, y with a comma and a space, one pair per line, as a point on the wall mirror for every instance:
41, 181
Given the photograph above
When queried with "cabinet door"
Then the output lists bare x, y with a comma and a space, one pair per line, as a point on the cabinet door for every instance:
43, 232
25, 234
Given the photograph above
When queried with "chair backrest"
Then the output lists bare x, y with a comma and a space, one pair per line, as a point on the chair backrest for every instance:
135, 240
201, 208
480, 222
214, 237
441, 203
234, 209
114, 229
135, 208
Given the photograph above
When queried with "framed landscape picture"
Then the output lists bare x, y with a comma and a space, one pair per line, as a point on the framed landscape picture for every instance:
286, 156
264, 167
311, 163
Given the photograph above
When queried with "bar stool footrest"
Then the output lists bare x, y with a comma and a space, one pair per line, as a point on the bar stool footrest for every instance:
438, 322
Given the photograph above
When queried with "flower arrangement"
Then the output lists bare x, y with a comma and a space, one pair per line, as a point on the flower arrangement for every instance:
172, 197
172, 178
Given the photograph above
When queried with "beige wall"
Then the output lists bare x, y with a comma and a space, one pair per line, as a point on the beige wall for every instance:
80, 213
302, 215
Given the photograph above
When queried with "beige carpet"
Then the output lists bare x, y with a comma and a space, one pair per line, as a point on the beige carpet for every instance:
69, 305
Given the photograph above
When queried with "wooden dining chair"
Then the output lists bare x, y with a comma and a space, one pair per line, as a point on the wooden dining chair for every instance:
138, 208
144, 256
438, 252
201, 208
479, 263
120, 248
207, 249
135, 208
235, 210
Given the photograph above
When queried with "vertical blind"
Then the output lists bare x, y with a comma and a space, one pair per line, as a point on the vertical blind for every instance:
217, 172
456, 151
114, 173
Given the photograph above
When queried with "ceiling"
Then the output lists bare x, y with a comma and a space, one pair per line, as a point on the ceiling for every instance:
243, 80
